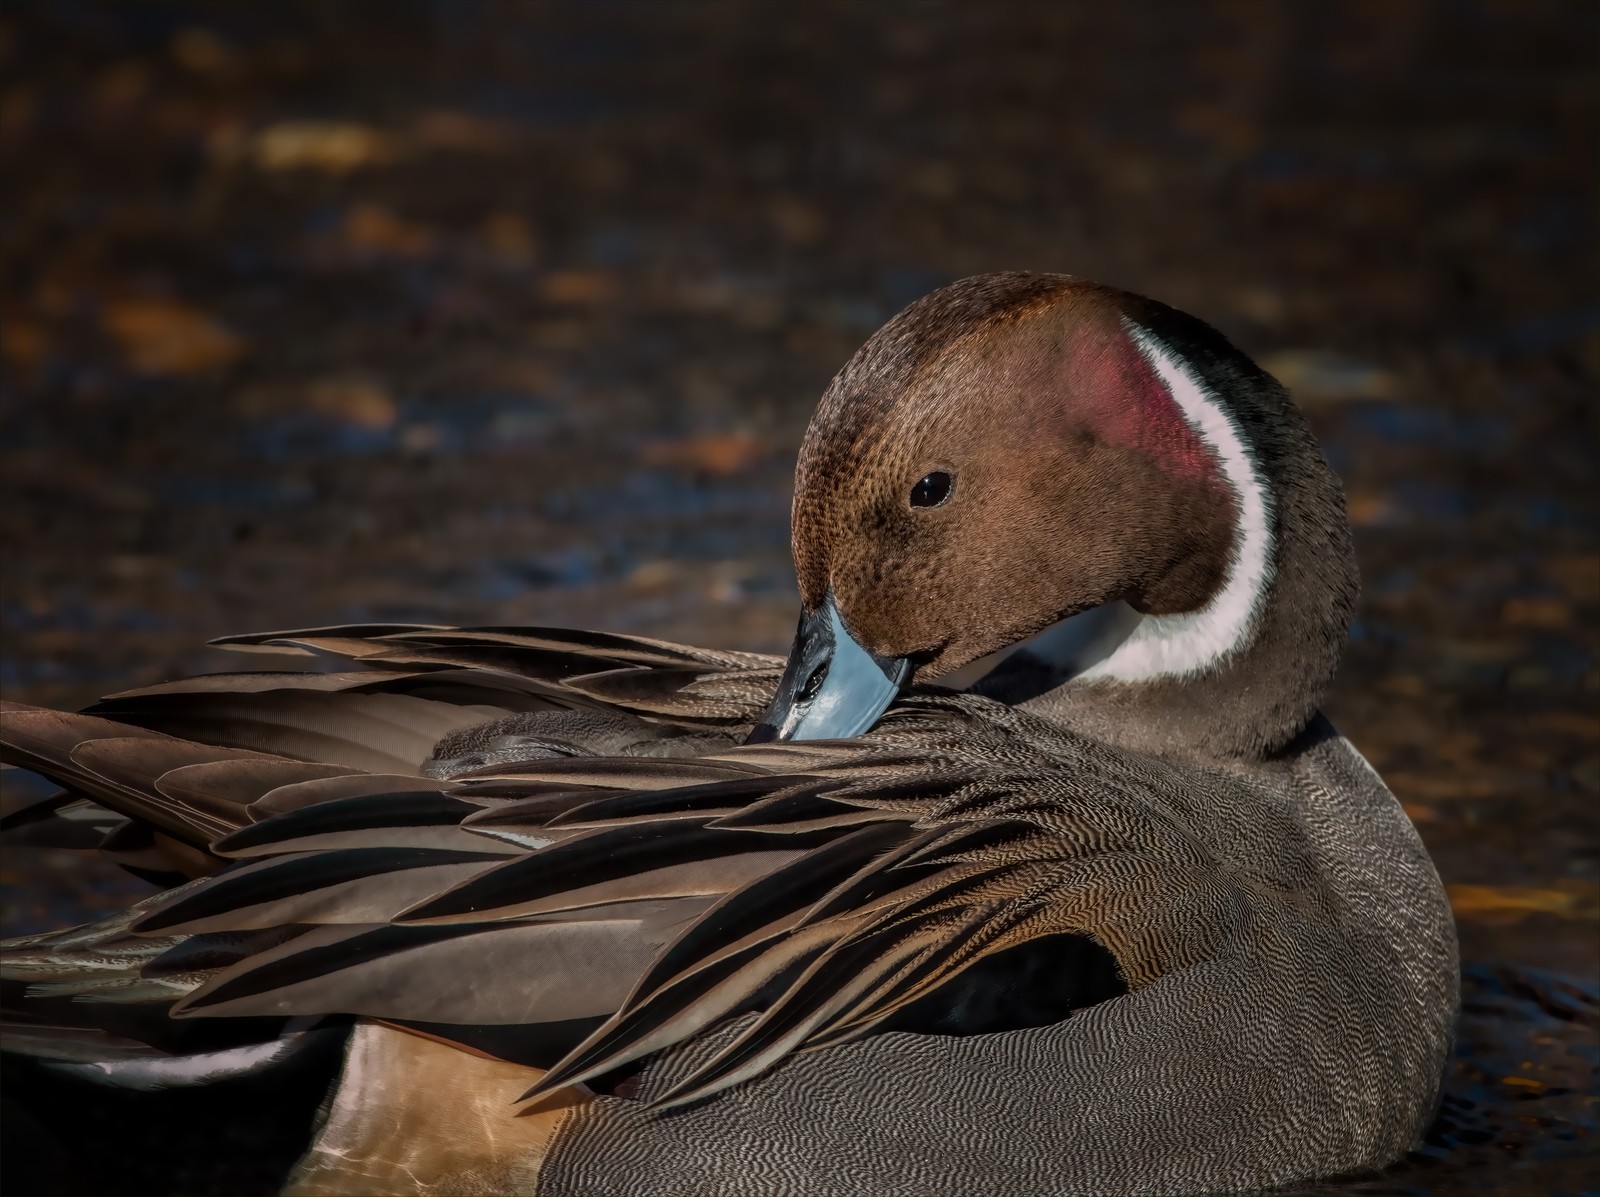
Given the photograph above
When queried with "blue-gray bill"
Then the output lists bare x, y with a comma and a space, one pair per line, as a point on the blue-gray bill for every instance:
832, 688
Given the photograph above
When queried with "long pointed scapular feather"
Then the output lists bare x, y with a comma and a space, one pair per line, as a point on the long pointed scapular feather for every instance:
543, 971
588, 910
403, 818
351, 885
300, 794
652, 859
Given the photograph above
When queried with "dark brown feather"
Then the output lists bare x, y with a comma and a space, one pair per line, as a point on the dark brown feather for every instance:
824, 887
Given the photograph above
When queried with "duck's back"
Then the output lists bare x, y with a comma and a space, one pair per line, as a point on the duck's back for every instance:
1311, 1044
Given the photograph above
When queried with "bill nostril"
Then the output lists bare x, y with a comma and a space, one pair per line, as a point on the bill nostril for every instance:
813, 683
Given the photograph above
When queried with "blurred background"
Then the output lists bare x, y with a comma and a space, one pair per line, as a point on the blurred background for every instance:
515, 313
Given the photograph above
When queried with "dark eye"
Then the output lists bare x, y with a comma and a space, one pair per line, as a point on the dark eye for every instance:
932, 490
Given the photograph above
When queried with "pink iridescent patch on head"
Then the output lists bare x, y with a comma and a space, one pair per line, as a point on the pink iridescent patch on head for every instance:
1127, 403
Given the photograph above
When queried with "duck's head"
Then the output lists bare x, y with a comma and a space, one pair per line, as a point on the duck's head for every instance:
1016, 449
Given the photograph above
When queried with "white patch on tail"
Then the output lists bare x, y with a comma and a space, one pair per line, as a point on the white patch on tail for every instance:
168, 1072
1173, 646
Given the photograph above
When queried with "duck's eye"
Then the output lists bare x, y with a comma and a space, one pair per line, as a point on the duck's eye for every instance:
932, 490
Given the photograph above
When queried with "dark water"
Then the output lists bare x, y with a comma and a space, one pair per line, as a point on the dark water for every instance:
516, 314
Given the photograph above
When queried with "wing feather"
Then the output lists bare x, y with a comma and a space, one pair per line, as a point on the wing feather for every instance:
601, 908
544, 972
375, 732
346, 886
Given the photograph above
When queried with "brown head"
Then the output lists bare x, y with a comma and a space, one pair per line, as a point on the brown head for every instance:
1016, 449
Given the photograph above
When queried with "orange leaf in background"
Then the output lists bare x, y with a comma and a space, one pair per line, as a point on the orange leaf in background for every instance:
798, 222
1312, 374
372, 228
332, 146
558, 334
18, 106
23, 342
1406, 685
464, 132
938, 180
164, 336
353, 400
716, 453
1368, 509
1583, 724
1453, 785
578, 286
509, 237
119, 87
203, 52
1262, 304
1578, 574
1538, 613
1512, 903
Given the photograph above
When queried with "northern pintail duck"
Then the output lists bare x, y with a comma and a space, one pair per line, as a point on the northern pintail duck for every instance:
592, 913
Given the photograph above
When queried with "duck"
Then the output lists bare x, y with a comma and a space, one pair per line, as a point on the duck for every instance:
1034, 867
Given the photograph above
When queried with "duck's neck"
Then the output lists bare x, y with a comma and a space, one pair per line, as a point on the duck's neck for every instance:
1175, 685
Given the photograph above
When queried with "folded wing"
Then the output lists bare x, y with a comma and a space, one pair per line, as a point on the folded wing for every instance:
581, 913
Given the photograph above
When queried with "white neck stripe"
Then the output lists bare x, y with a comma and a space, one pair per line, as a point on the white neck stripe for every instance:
1175, 646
